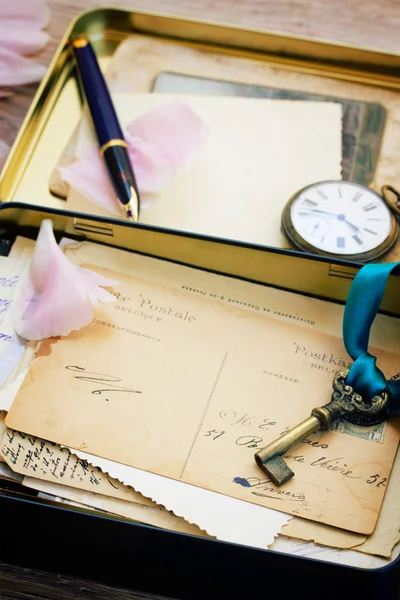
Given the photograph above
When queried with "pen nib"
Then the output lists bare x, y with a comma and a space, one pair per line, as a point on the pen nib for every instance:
132, 207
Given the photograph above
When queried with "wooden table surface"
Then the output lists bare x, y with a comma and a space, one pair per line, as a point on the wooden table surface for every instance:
367, 23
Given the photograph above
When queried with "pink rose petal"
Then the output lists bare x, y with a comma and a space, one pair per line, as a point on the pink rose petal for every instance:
162, 143
32, 12
21, 22
173, 130
55, 297
90, 177
18, 70
154, 169
28, 41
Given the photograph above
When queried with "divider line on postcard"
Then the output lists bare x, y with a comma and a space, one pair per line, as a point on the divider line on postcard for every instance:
204, 413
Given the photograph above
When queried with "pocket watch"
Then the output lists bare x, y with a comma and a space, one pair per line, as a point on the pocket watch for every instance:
342, 219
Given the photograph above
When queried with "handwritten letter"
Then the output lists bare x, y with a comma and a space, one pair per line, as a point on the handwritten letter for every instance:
34, 457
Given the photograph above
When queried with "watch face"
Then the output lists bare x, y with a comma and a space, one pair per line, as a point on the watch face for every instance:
340, 217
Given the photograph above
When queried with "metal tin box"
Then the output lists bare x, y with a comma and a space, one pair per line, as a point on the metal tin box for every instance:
40, 534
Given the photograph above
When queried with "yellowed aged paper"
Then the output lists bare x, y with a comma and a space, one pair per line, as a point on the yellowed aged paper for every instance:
288, 307
302, 529
385, 536
335, 555
287, 145
387, 531
150, 514
34, 457
187, 388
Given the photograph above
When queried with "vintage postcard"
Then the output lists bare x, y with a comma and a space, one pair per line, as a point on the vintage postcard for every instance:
189, 388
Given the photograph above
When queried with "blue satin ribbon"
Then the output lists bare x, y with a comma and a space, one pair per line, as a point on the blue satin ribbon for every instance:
362, 304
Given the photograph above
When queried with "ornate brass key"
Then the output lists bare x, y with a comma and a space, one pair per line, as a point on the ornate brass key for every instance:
344, 403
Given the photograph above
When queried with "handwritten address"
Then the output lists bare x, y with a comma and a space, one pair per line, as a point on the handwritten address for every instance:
237, 423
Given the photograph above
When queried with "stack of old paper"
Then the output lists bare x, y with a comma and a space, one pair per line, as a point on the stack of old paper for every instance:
150, 411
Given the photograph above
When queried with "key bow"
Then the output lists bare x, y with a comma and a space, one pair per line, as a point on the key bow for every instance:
354, 408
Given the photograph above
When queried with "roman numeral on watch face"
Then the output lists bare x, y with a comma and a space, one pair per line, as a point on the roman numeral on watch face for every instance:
340, 218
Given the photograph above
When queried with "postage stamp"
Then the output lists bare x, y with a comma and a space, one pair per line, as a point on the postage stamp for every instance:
375, 433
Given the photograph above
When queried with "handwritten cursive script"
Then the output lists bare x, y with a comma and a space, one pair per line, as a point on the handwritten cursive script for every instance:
104, 383
264, 485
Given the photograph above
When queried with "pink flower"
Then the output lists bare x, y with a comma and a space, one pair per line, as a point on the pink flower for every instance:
162, 142
55, 297
21, 23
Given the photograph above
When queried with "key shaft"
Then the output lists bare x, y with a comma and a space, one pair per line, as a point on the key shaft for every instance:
268, 459
289, 439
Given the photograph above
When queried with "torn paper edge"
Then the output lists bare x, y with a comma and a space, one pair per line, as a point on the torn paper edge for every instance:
223, 517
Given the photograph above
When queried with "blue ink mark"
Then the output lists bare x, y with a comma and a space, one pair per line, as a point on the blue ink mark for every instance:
4, 282
4, 305
241, 481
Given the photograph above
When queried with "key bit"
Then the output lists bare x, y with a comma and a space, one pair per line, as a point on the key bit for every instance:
345, 402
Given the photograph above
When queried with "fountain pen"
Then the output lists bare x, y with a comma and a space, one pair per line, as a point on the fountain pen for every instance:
113, 146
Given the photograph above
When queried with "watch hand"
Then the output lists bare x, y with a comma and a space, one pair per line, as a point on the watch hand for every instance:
354, 227
340, 217
315, 228
322, 212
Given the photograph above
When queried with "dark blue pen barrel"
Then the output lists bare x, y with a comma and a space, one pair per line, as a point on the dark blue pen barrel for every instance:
121, 173
97, 95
